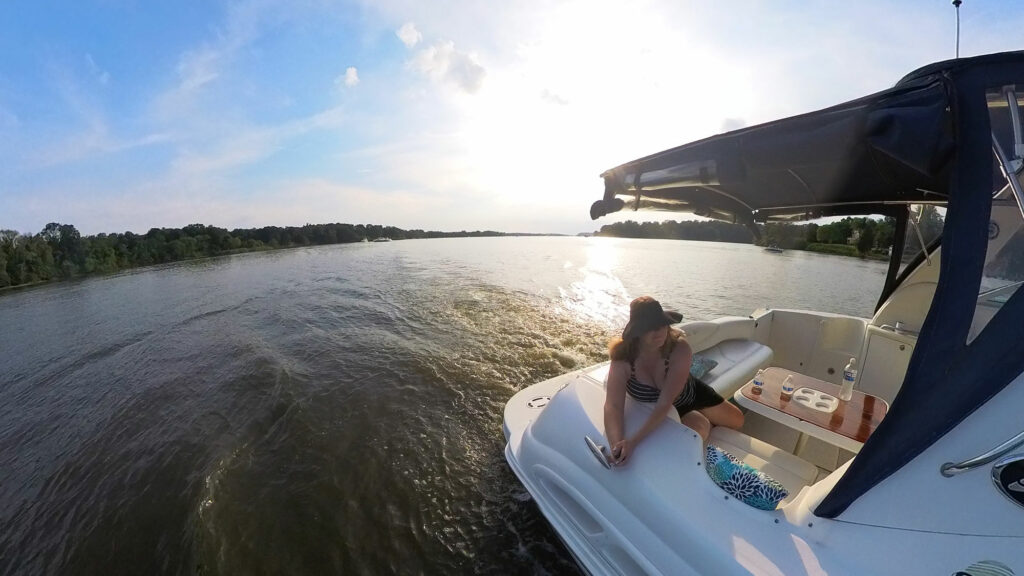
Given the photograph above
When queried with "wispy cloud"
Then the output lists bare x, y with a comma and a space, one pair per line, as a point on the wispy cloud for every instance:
201, 66
197, 68
87, 131
90, 143
247, 145
101, 76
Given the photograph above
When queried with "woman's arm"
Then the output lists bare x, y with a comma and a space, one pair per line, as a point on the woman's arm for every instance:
615, 402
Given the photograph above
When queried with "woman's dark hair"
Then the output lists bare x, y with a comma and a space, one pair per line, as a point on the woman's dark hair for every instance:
620, 349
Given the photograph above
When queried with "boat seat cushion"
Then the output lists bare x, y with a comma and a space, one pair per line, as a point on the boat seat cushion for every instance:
742, 481
737, 362
791, 471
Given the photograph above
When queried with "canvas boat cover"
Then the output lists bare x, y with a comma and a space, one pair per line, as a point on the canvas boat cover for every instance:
860, 157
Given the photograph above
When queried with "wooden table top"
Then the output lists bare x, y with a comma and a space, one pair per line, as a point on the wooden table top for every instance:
855, 418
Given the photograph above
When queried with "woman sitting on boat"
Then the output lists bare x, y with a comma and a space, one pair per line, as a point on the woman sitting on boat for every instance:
651, 363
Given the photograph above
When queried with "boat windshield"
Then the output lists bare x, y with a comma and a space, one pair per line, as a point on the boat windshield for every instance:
1004, 257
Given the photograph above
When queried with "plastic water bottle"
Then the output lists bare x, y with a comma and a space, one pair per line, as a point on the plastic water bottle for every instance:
787, 386
758, 382
849, 378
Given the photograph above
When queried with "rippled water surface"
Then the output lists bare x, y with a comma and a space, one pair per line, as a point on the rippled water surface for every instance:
328, 410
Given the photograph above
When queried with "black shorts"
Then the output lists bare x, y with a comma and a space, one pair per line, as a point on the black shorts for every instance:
704, 397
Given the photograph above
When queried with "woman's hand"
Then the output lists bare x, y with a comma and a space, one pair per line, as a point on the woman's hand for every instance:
621, 451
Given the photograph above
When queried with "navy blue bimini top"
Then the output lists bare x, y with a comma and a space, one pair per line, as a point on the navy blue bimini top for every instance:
645, 393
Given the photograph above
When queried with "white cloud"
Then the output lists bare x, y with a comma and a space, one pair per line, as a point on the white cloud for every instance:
442, 62
409, 35
101, 75
350, 78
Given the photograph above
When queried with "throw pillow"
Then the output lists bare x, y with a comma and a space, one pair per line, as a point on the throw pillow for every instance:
742, 481
700, 366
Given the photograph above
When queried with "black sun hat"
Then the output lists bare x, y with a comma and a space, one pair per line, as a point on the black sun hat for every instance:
645, 314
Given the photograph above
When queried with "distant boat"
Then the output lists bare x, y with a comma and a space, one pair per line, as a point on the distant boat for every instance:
773, 248
365, 239
382, 239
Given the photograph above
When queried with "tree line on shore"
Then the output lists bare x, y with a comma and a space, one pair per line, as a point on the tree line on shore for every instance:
864, 237
59, 251
701, 230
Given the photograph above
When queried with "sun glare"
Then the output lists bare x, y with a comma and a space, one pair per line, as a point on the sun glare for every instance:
594, 86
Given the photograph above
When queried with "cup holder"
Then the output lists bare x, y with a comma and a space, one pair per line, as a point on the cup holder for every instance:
816, 400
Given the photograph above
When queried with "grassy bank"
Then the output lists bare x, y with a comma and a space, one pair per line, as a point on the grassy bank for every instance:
842, 250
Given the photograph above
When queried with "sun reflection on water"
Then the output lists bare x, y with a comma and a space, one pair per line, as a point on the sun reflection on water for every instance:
599, 295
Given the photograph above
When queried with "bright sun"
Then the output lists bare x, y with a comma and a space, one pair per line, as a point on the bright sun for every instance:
588, 91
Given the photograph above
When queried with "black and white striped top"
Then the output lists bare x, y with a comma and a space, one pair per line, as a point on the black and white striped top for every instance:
645, 393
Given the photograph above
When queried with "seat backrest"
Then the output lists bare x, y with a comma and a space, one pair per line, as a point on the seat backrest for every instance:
703, 335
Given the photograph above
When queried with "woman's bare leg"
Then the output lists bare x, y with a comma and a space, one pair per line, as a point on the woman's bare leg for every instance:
698, 422
724, 414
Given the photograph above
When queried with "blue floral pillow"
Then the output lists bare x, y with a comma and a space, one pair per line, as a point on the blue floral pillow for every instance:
701, 366
743, 482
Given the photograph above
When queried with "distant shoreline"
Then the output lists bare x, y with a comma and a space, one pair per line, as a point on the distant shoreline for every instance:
860, 238
259, 246
59, 252
844, 250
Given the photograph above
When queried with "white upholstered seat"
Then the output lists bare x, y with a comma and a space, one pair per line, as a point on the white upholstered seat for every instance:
791, 471
738, 361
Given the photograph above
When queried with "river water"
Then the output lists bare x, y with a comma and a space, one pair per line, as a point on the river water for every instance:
333, 409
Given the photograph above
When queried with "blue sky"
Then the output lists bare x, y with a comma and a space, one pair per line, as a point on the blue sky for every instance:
127, 114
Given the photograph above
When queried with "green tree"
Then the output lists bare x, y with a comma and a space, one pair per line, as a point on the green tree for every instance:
866, 241
100, 255
39, 262
884, 233
836, 232
68, 249
811, 233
